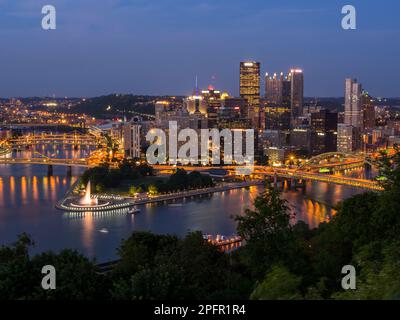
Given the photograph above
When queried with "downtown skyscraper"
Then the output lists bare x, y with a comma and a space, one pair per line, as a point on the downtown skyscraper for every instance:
349, 133
278, 90
250, 82
352, 103
249, 88
277, 102
297, 92
285, 94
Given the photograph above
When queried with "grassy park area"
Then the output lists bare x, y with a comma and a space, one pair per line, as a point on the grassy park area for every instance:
131, 178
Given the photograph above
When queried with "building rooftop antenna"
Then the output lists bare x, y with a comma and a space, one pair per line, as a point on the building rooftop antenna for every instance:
197, 87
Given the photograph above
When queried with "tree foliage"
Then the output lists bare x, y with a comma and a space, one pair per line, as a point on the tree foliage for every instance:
280, 259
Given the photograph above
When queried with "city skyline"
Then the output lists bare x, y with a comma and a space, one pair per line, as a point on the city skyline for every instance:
196, 150
139, 48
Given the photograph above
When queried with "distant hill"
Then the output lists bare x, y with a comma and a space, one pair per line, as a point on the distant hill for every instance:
115, 104
338, 102
333, 103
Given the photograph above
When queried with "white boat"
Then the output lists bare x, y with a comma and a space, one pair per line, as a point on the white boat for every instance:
103, 230
133, 210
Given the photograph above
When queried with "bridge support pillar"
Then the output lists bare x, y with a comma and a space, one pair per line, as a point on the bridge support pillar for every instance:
301, 184
50, 170
292, 183
69, 171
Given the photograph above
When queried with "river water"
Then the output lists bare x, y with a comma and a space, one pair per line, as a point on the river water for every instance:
28, 197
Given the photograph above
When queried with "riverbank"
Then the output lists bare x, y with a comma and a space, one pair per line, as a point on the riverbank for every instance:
5, 151
196, 192
28, 197
73, 190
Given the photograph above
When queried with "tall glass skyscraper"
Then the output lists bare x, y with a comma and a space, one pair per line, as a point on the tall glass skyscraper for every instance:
352, 110
250, 82
250, 89
297, 92
277, 90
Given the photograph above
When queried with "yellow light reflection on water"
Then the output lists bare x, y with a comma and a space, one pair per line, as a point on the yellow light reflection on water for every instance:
87, 235
53, 188
1, 190
24, 192
45, 183
35, 191
12, 189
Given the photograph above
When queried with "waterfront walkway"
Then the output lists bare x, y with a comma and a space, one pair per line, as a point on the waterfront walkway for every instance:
197, 192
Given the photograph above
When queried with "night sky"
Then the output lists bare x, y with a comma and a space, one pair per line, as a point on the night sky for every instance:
158, 46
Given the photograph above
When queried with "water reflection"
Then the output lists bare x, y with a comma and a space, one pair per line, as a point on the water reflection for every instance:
87, 234
28, 196
22, 210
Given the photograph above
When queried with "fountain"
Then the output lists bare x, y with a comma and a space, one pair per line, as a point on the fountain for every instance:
87, 198
90, 203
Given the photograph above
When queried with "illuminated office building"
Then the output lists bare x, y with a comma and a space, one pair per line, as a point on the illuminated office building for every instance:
352, 110
277, 90
250, 82
196, 104
296, 78
300, 139
277, 117
323, 132
213, 99
277, 106
368, 111
250, 89
233, 113
348, 138
131, 138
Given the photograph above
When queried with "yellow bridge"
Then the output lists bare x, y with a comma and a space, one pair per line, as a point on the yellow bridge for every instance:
261, 172
85, 163
66, 139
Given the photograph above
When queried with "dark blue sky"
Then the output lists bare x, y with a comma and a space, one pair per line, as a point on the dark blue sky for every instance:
158, 46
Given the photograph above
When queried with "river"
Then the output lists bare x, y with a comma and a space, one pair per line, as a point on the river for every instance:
28, 196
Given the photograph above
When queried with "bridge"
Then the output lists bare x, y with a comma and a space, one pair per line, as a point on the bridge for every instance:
259, 172
65, 139
339, 161
93, 139
83, 163
308, 171
40, 125
262, 172
293, 175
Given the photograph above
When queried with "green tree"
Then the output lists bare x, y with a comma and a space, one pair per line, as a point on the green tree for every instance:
77, 278
178, 180
165, 267
16, 276
267, 231
21, 276
133, 190
379, 278
279, 284
152, 190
